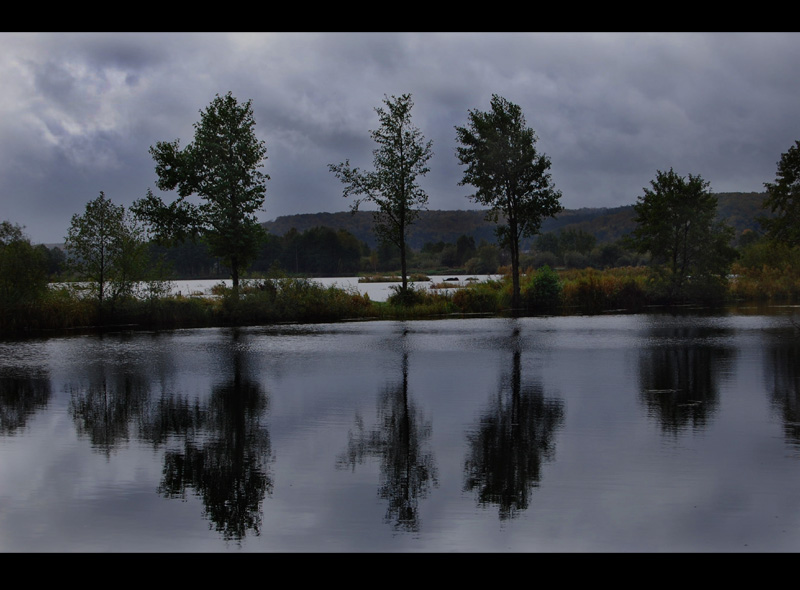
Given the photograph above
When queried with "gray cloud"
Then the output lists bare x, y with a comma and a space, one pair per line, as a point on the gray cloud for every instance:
78, 112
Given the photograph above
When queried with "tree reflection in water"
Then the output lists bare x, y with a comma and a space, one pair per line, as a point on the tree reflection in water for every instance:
226, 450
22, 394
107, 404
226, 453
679, 376
514, 438
782, 378
400, 442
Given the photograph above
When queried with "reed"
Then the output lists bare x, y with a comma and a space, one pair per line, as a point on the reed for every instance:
593, 291
485, 297
290, 300
759, 276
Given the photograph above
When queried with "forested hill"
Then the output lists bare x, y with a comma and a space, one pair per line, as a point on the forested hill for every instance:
606, 224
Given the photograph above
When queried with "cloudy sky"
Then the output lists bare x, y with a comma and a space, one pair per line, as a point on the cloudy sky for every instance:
78, 111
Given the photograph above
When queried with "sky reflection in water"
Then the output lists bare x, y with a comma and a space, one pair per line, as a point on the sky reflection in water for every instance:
608, 433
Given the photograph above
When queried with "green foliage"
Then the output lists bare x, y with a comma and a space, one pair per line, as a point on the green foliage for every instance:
484, 297
401, 156
607, 225
290, 300
591, 291
783, 199
465, 249
767, 270
549, 242
222, 168
676, 223
65, 308
430, 226
486, 261
317, 251
510, 176
543, 291
407, 297
540, 259
23, 277
106, 247
566, 241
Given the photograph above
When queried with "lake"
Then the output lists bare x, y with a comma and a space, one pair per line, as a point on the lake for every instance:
616, 433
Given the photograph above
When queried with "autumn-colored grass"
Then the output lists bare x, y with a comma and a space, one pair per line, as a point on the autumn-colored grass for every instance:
591, 290
266, 301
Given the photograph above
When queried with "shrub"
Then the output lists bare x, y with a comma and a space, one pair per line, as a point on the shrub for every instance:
543, 291
409, 297
482, 297
592, 291
767, 271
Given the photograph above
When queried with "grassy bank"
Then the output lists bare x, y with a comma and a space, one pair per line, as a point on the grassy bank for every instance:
293, 300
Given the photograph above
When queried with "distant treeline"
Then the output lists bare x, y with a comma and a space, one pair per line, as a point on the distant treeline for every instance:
739, 210
342, 244
314, 252
324, 251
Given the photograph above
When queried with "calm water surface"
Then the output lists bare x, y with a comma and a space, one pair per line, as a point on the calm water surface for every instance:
609, 433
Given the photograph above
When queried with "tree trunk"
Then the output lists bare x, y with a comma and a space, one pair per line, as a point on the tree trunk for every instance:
235, 277
403, 264
514, 243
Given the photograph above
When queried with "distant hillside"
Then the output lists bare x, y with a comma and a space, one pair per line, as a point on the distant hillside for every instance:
432, 226
606, 224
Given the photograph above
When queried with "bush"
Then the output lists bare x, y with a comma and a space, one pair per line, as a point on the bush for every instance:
485, 297
767, 271
409, 297
543, 291
289, 300
591, 291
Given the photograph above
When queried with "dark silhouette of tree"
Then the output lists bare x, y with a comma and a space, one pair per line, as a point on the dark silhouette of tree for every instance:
401, 156
514, 438
511, 177
676, 223
783, 199
222, 168
23, 277
106, 248
399, 442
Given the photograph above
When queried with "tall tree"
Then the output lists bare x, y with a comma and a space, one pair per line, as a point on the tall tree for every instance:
106, 247
401, 156
23, 275
676, 224
511, 177
221, 167
783, 199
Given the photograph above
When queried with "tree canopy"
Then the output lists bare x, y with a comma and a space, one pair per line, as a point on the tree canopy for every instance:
106, 248
401, 156
23, 273
676, 224
783, 199
222, 168
511, 177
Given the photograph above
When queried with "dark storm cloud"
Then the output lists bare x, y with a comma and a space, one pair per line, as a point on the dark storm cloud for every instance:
79, 111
